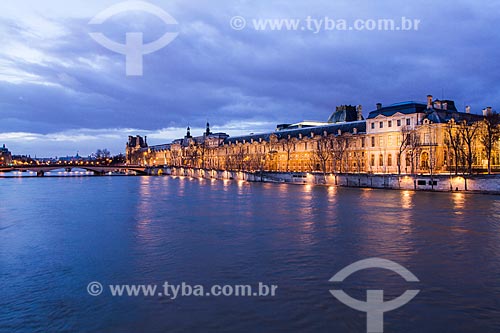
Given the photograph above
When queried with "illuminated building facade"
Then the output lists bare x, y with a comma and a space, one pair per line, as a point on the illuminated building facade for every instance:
403, 138
5, 156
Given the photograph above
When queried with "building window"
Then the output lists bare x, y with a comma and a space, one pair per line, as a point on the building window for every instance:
381, 141
389, 160
389, 140
363, 142
373, 141
381, 124
427, 138
381, 160
399, 122
408, 121
389, 123
372, 160
373, 125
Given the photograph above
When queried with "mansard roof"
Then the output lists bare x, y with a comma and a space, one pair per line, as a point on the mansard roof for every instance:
404, 108
348, 127
344, 113
434, 114
444, 116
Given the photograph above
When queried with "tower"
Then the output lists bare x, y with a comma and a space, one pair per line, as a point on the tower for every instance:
188, 134
207, 133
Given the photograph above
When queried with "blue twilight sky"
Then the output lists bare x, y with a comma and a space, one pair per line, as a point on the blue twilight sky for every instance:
61, 92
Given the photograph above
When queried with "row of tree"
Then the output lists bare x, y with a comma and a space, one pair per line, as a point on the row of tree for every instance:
463, 142
466, 140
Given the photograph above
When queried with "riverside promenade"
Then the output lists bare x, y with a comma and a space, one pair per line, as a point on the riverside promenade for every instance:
487, 184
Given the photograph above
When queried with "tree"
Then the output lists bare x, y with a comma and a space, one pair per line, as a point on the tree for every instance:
404, 144
322, 154
273, 152
468, 133
258, 160
239, 158
454, 140
490, 135
176, 157
102, 153
339, 146
202, 149
414, 148
287, 145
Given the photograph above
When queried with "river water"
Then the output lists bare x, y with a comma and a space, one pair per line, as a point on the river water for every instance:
59, 234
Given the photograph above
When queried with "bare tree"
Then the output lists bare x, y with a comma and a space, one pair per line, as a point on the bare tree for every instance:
258, 161
490, 135
322, 154
239, 158
287, 145
454, 141
103, 153
339, 146
468, 133
414, 149
272, 153
404, 144
202, 149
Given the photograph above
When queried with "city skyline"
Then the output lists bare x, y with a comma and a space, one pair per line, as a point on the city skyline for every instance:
62, 92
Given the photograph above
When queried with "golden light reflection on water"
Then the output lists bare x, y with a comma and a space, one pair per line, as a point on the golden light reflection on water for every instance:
407, 199
389, 227
458, 203
366, 193
332, 194
144, 209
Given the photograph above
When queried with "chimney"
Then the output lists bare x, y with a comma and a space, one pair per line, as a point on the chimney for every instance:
379, 106
467, 109
429, 101
145, 140
359, 110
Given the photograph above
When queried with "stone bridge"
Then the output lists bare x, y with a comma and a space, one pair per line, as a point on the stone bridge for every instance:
96, 169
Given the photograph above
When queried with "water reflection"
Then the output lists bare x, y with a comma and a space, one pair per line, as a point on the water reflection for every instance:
155, 229
407, 199
145, 208
387, 224
458, 203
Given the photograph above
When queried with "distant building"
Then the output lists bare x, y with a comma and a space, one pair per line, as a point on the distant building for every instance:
5, 156
66, 159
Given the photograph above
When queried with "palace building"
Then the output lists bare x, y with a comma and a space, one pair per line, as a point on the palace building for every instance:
402, 138
5, 156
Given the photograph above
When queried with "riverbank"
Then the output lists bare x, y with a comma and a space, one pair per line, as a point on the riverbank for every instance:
489, 184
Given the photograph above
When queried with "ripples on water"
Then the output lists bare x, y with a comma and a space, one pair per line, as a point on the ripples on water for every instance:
57, 235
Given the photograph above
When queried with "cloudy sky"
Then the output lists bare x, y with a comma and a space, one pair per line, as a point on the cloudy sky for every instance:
62, 92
